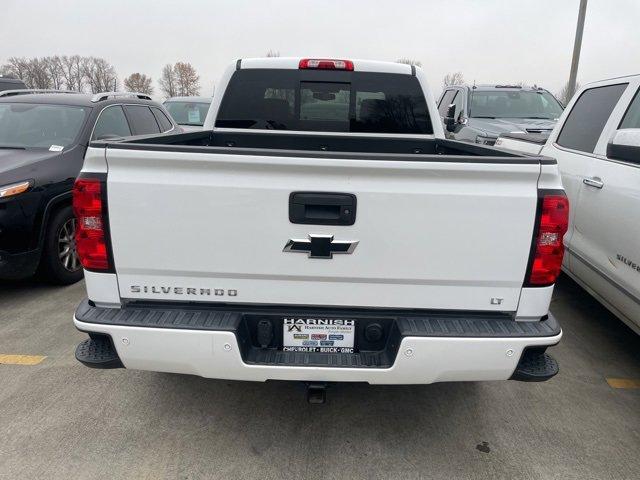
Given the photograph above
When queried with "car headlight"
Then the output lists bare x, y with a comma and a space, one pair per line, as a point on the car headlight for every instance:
484, 140
14, 189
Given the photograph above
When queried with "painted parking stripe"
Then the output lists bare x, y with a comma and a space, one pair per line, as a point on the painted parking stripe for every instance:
21, 359
623, 383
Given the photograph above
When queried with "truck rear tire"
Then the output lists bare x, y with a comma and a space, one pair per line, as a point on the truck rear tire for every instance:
60, 263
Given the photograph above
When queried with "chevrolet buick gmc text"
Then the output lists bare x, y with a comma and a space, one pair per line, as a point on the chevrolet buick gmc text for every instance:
320, 228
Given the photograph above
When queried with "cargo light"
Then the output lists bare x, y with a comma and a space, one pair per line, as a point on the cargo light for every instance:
549, 249
325, 64
89, 209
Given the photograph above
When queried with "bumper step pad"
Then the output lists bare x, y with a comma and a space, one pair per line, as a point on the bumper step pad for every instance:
535, 366
98, 353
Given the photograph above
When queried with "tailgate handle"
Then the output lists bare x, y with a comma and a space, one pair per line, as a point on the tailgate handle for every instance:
321, 208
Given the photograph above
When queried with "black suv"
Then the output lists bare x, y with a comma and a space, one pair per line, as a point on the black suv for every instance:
43, 139
10, 83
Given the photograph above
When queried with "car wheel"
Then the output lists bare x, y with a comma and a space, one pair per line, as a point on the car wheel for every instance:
60, 261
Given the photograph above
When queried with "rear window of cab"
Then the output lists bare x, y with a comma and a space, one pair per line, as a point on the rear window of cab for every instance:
326, 101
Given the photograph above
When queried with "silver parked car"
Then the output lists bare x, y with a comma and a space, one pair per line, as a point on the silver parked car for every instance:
481, 113
188, 112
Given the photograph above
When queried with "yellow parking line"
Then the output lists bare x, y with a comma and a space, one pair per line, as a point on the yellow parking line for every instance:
21, 359
623, 383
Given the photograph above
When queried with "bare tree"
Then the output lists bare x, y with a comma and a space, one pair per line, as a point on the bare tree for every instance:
409, 61
38, 73
187, 80
456, 78
17, 67
55, 69
168, 82
563, 94
73, 72
138, 82
272, 53
100, 75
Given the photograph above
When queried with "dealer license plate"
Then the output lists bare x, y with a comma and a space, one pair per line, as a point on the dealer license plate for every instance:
324, 335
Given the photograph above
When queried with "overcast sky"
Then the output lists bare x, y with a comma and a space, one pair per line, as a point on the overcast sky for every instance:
490, 41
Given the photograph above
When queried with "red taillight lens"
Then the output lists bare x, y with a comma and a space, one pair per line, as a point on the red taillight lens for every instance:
90, 235
325, 64
549, 249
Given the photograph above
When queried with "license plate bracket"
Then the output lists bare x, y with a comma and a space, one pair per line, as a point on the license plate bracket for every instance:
318, 335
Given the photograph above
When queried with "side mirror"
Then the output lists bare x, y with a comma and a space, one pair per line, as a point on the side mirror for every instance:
450, 119
625, 145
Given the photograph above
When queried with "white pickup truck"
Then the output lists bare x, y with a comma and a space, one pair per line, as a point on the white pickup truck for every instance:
320, 229
597, 145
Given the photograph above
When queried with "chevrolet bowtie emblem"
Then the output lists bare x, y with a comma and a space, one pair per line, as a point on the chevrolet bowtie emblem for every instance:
320, 246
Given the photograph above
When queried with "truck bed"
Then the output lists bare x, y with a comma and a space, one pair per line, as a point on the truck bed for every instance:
325, 145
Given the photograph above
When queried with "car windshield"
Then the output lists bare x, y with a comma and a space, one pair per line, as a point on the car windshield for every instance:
28, 125
188, 113
514, 104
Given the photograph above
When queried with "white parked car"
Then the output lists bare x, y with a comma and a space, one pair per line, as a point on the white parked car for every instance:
597, 145
188, 112
320, 229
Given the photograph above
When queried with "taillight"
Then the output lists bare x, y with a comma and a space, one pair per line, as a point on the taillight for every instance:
89, 209
325, 64
548, 250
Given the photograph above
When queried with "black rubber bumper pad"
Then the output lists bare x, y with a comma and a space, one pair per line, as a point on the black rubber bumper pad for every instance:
98, 353
535, 367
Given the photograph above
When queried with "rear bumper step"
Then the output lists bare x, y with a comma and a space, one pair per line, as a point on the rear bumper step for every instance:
229, 317
223, 341
535, 366
98, 352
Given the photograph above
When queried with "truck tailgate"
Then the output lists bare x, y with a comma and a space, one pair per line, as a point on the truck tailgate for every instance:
203, 227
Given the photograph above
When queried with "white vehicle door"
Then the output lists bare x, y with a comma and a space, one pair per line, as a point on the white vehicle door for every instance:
606, 242
574, 146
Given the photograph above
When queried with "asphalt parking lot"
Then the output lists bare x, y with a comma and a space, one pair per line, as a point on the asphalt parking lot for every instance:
59, 419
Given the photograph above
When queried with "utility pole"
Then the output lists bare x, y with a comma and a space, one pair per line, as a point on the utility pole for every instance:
577, 45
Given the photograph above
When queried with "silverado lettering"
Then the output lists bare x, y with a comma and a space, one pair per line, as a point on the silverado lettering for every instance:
218, 292
630, 263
